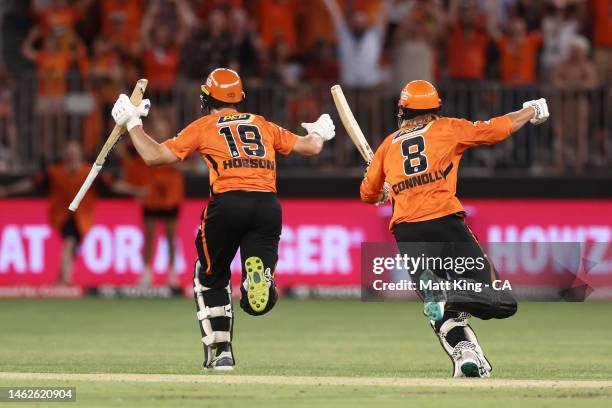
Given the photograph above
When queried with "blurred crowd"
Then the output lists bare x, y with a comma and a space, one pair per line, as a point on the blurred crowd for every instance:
64, 62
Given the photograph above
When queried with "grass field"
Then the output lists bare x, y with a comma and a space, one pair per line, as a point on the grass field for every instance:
311, 353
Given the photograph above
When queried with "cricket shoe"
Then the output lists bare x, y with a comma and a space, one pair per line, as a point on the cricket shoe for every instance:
257, 283
434, 298
223, 359
467, 361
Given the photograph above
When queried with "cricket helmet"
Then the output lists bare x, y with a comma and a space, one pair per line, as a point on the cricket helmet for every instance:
417, 98
419, 94
224, 85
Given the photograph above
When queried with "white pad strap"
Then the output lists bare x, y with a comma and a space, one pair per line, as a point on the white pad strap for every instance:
450, 324
216, 311
216, 337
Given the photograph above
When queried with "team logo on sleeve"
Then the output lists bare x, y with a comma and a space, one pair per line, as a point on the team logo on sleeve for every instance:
236, 118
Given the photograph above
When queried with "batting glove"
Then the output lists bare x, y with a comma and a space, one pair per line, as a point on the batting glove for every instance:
385, 196
127, 115
324, 127
541, 110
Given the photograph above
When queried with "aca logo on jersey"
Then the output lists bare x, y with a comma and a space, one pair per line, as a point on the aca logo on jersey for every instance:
236, 117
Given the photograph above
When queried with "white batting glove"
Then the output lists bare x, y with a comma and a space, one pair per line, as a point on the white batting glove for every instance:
541, 110
127, 115
324, 127
385, 197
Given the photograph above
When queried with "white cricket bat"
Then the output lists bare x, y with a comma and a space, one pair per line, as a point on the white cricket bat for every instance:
350, 124
113, 138
354, 132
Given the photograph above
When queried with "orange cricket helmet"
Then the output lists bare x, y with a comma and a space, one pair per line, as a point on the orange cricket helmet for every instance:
417, 98
222, 85
419, 94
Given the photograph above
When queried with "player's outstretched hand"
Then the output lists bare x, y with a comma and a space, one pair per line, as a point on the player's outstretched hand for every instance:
324, 126
541, 110
128, 115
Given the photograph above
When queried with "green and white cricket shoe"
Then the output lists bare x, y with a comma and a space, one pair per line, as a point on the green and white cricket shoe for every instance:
467, 362
434, 299
257, 283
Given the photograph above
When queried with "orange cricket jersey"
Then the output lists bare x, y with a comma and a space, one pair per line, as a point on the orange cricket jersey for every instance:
421, 163
63, 186
239, 149
165, 185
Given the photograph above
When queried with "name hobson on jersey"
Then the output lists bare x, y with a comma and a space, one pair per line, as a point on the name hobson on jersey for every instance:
413, 264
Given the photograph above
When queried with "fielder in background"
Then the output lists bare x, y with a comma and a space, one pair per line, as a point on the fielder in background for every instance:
420, 163
162, 189
62, 181
243, 212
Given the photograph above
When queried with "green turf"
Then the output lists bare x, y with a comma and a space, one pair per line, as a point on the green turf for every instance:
326, 338
216, 395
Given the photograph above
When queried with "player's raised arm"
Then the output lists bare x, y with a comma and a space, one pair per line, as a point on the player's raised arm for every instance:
495, 130
128, 115
319, 132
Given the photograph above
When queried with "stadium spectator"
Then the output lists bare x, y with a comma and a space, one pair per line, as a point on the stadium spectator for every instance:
467, 41
53, 62
360, 47
414, 41
59, 20
8, 132
120, 21
559, 27
63, 180
106, 78
518, 54
208, 46
277, 23
161, 43
245, 44
322, 65
573, 77
602, 38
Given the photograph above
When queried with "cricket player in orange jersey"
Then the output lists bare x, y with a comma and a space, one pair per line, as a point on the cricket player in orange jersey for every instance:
244, 212
417, 165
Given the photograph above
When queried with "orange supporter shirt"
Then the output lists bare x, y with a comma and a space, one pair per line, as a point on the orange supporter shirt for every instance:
58, 21
121, 19
165, 187
602, 22
421, 163
239, 149
161, 68
277, 22
52, 70
466, 53
63, 185
518, 61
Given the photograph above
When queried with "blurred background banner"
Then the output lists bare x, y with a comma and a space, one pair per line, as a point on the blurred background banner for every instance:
320, 243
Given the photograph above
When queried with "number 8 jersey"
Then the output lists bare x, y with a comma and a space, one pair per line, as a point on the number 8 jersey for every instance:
420, 164
239, 149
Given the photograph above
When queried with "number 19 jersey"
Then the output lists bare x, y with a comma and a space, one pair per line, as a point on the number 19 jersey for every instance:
239, 149
421, 163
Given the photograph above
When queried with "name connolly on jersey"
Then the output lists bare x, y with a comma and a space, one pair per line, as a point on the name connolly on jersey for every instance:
248, 163
421, 179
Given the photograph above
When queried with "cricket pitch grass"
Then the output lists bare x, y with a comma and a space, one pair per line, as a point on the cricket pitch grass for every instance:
147, 353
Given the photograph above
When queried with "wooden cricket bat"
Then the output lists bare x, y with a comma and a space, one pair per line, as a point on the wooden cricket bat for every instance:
113, 138
350, 124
